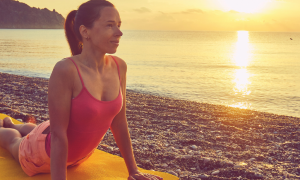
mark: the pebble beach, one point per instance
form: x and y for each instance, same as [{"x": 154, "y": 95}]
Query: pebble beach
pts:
[{"x": 188, "y": 139}]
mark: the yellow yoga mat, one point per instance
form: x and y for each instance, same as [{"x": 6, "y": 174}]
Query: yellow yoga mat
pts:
[{"x": 100, "y": 165}]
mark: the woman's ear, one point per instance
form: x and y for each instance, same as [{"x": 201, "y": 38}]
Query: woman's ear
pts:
[{"x": 84, "y": 32}]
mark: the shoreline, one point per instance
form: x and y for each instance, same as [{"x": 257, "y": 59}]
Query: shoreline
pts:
[
  {"x": 188, "y": 139},
  {"x": 161, "y": 96}
]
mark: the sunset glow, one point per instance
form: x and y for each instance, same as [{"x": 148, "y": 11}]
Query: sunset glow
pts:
[
  {"x": 196, "y": 15},
  {"x": 246, "y": 6}
]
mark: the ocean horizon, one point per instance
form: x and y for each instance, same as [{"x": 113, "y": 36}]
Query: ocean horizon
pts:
[{"x": 249, "y": 70}]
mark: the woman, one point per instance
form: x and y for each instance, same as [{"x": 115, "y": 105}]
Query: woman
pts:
[{"x": 86, "y": 96}]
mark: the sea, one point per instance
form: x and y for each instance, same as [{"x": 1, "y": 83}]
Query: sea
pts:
[{"x": 250, "y": 70}]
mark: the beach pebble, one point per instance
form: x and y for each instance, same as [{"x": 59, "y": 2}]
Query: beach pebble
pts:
[
  {"x": 173, "y": 173},
  {"x": 164, "y": 165},
  {"x": 240, "y": 165},
  {"x": 203, "y": 176},
  {"x": 251, "y": 159},
  {"x": 178, "y": 170},
  {"x": 191, "y": 152},
  {"x": 187, "y": 156},
  {"x": 258, "y": 175},
  {"x": 215, "y": 172},
  {"x": 229, "y": 163},
  {"x": 194, "y": 176},
  {"x": 206, "y": 159},
  {"x": 194, "y": 147},
  {"x": 183, "y": 150}
]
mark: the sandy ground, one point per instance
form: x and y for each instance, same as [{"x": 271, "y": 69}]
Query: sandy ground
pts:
[{"x": 188, "y": 139}]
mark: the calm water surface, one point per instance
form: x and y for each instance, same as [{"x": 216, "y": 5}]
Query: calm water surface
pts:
[{"x": 253, "y": 70}]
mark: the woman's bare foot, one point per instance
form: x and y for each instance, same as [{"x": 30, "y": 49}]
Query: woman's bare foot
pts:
[{"x": 7, "y": 122}]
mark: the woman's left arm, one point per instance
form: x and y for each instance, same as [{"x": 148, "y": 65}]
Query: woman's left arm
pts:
[{"x": 119, "y": 128}]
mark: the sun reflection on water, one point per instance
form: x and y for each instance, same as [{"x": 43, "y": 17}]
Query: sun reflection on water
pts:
[
  {"x": 242, "y": 81},
  {"x": 242, "y": 54},
  {"x": 241, "y": 58}
]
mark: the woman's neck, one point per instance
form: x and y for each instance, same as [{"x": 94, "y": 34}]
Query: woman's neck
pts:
[{"x": 93, "y": 59}]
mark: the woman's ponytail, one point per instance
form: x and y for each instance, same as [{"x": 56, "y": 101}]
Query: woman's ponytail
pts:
[{"x": 74, "y": 43}]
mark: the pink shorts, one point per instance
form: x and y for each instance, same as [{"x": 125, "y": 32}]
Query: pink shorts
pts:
[{"x": 32, "y": 152}]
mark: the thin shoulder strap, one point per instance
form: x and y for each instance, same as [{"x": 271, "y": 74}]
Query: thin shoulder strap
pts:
[
  {"x": 118, "y": 68},
  {"x": 77, "y": 71}
]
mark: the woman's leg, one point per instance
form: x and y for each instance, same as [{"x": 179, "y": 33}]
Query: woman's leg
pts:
[
  {"x": 10, "y": 140},
  {"x": 24, "y": 129}
]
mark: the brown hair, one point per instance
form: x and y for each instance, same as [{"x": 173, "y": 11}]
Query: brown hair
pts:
[{"x": 86, "y": 14}]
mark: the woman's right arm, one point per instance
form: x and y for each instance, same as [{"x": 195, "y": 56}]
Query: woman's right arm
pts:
[{"x": 59, "y": 103}]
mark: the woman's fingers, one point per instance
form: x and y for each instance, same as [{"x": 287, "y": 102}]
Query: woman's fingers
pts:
[
  {"x": 131, "y": 178},
  {"x": 152, "y": 177},
  {"x": 144, "y": 176}
]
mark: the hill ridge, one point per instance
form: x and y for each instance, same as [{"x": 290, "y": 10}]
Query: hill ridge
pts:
[{"x": 18, "y": 15}]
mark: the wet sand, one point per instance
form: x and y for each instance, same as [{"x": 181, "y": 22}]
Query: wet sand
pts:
[{"x": 188, "y": 139}]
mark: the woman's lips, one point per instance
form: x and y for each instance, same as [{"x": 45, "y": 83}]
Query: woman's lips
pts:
[{"x": 115, "y": 42}]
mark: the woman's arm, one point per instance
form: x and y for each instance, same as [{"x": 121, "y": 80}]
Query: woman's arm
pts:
[
  {"x": 59, "y": 103},
  {"x": 119, "y": 128},
  {"x": 119, "y": 125}
]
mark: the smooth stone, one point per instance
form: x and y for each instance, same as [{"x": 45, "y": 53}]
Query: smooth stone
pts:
[
  {"x": 173, "y": 173},
  {"x": 194, "y": 147},
  {"x": 229, "y": 163},
  {"x": 258, "y": 175},
  {"x": 252, "y": 159},
  {"x": 203, "y": 176},
  {"x": 215, "y": 172},
  {"x": 164, "y": 165},
  {"x": 206, "y": 160},
  {"x": 182, "y": 150},
  {"x": 194, "y": 176},
  {"x": 178, "y": 170},
  {"x": 187, "y": 156}
]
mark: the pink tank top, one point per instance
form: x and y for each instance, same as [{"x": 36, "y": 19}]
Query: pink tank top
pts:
[{"x": 90, "y": 118}]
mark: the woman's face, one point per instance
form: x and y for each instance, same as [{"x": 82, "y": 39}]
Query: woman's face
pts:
[{"x": 105, "y": 34}]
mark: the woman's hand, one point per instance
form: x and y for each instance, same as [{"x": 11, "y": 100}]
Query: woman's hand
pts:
[{"x": 143, "y": 176}]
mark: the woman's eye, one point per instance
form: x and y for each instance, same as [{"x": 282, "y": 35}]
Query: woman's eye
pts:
[{"x": 110, "y": 25}]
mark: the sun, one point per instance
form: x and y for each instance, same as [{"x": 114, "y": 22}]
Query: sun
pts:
[{"x": 245, "y": 6}]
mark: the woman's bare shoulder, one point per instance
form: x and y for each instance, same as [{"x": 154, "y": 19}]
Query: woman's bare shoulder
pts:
[
  {"x": 64, "y": 68},
  {"x": 122, "y": 64}
]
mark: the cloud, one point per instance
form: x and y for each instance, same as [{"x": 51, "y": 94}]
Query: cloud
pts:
[
  {"x": 233, "y": 11},
  {"x": 189, "y": 11},
  {"x": 142, "y": 10}
]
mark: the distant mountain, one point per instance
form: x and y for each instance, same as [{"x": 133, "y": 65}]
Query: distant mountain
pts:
[{"x": 17, "y": 15}]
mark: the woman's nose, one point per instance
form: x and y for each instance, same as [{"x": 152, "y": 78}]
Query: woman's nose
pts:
[{"x": 119, "y": 32}]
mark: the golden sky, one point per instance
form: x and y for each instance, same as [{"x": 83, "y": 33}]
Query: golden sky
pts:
[{"x": 196, "y": 15}]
